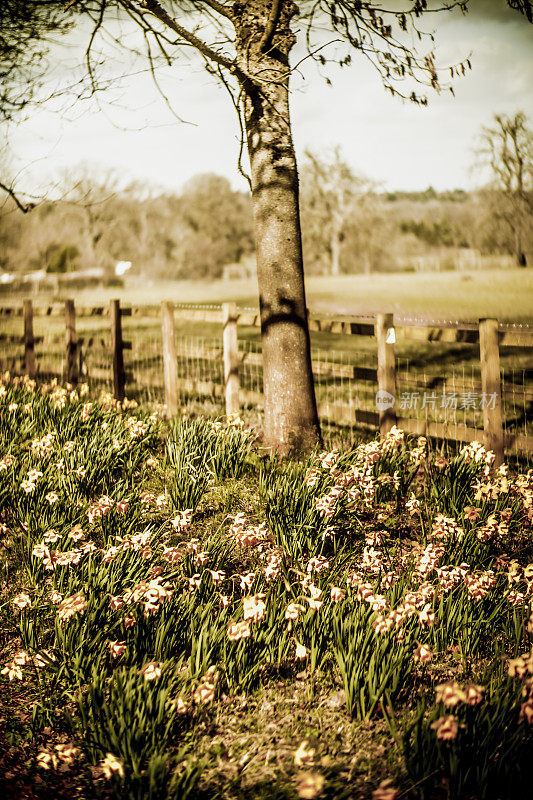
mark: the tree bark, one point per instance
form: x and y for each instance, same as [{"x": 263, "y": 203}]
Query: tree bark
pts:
[
  {"x": 520, "y": 256},
  {"x": 335, "y": 244},
  {"x": 291, "y": 420}
]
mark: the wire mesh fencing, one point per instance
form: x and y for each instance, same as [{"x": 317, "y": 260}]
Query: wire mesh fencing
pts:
[{"x": 439, "y": 387}]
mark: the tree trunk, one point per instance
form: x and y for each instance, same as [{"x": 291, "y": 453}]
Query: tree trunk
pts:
[
  {"x": 520, "y": 256},
  {"x": 291, "y": 419},
  {"x": 335, "y": 244}
]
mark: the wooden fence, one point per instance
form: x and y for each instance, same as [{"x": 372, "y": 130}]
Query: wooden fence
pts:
[{"x": 490, "y": 336}]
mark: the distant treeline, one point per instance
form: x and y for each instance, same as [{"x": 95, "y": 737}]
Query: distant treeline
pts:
[{"x": 349, "y": 225}]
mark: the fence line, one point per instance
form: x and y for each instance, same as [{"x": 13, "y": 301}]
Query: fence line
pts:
[{"x": 230, "y": 367}]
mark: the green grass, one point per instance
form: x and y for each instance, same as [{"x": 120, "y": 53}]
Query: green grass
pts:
[{"x": 505, "y": 294}]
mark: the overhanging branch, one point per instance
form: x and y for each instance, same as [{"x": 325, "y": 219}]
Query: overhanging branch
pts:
[
  {"x": 23, "y": 207},
  {"x": 153, "y": 7}
]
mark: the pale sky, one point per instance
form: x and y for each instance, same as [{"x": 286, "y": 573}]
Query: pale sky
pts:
[{"x": 398, "y": 144}]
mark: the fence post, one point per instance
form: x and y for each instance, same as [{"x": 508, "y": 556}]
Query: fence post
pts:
[
  {"x": 119, "y": 378},
  {"x": 489, "y": 352},
  {"x": 29, "y": 343},
  {"x": 72, "y": 342},
  {"x": 231, "y": 357},
  {"x": 386, "y": 396},
  {"x": 170, "y": 358}
]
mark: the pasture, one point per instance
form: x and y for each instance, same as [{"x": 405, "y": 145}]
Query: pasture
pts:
[
  {"x": 184, "y": 616},
  {"x": 505, "y": 294}
]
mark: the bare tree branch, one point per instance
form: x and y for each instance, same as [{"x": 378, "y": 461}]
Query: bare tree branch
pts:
[
  {"x": 377, "y": 32},
  {"x": 524, "y": 6},
  {"x": 94, "y": 32},
  {"x": 24, "y": 207},
  {"x": 236, "y": 100},
  {"x": 153, "y": 7},
  {"x": 219, "y": 8}
]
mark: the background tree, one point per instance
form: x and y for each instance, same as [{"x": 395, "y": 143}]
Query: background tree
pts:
[
  {"x": 507, "y": 148},
  {"x": 91, "y": 197},
  {"x": 218, "y": 226},
  {"x": 369, "y": 235},
  {"x": 331, "y": 192}
]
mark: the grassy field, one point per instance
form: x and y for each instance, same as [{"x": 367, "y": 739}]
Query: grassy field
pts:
[
  {"x": 183, "y": 617},
  {"x": 504, "y": 294}
]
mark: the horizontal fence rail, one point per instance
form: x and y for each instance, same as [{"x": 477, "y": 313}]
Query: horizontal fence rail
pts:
[{"x": 88, "y": 343}]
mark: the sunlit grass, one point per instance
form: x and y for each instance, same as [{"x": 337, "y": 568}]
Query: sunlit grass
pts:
[{"x": 504, "y": 294}]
